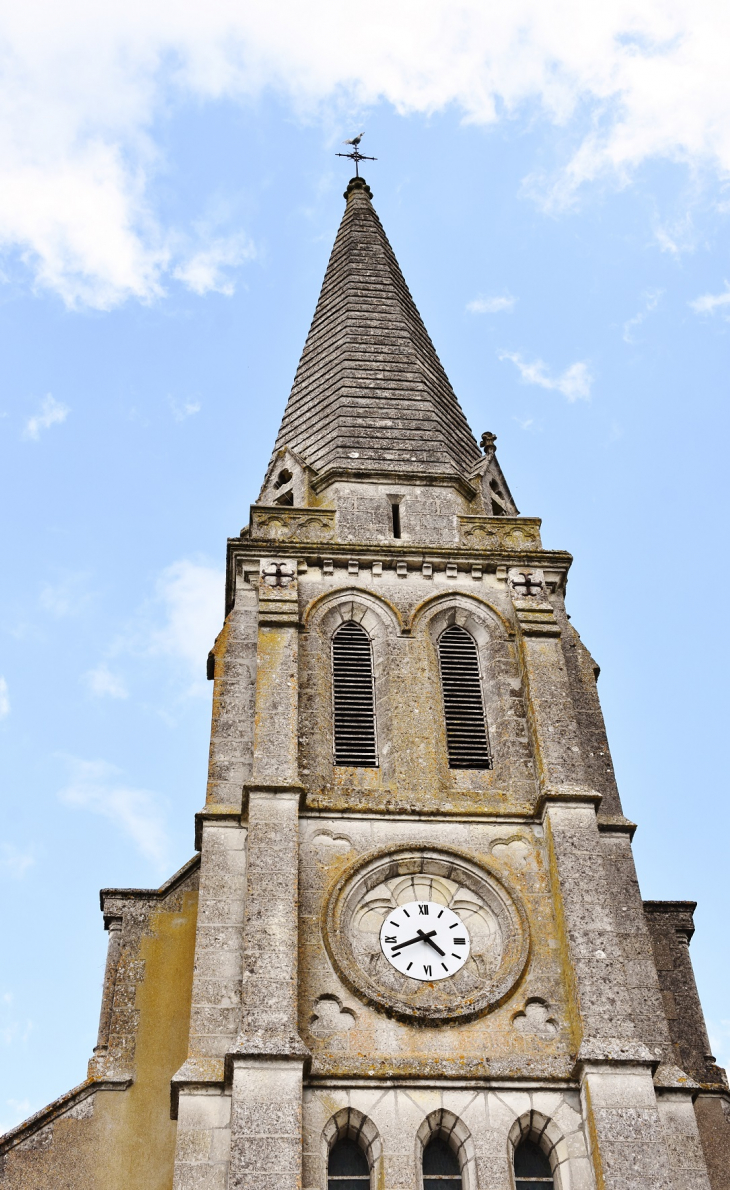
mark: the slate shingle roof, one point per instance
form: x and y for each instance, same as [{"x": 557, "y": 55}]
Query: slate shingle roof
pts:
[{"x": 369, "y": 380}]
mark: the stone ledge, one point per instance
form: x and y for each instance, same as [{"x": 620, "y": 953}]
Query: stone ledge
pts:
[
  {"x": 198, "y": 1073},
  {"x": 422, "y": 479},
  {"x": 567, "y": 795},
  {"x": 618, "y": 1051},
  {"x": 616, "y": 824},
  {"x": 221, "y": 814},
  {"x": 536, "y": 619},
  {"x": 668, "y": 1077},
  {"x": 263, "y": 1050}
]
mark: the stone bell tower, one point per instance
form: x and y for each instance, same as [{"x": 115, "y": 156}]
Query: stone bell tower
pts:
[{"x": 411, "y": 953}]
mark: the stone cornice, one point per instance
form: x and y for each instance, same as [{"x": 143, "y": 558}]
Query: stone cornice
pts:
[
  {"x": 567, "y": 795},
  {"x": 422, "y": 479},
  {"x": 616, "y": 824},
  {"x": 245, "y": 551},
  {"x": 222, "y": 815}
]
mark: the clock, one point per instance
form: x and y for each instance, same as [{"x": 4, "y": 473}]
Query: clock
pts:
[
  {"x": 426, "y": 934},
  {"x": 425, "y": 940}
]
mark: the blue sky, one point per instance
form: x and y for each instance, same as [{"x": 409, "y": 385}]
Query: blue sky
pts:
[{"x": 554, "y": 183}]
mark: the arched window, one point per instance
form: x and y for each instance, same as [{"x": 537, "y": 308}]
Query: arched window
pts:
[
  {"x": 353, "y": 697},
  {"x": 466, "y": 725},
  {"x": 440, "y": 1166},
  {"x": 347, "y": 1167},
  {"x": 532, "y": 1168}
]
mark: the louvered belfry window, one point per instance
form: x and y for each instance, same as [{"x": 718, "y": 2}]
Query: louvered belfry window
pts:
[
  {"x": 353, "y": 697},
  {"x": 466, "y": 726}
]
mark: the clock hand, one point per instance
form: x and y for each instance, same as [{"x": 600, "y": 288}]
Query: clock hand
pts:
[
  {"x": 429, "y": 938},
  {"x": 420, "y": 937}
]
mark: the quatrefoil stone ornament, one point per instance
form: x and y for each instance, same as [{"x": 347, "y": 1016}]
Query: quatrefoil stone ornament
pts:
[{"x": 278, "y": 574}]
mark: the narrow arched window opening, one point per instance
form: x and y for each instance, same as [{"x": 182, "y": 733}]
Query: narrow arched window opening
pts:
[
  {"x": 395, "y": 511},
  {"x": 283, "y": 477},
  {"x": 467, "y": 740},
  {"x": 440, "y": 1166},
  {"x": 532, "y": 1168},
  {"x": 347, "y": 1167},
  {"x": 355, "y": 737}
]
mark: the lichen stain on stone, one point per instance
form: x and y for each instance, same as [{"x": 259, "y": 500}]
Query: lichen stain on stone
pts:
[
  {"x": 220, "y": 650},
  {"x": 566, "y": 966},
  {"x": 103, "y": 1151},
  {"x": 163, "y": 1000}
]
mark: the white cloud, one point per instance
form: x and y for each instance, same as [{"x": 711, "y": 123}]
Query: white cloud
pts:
[
  {"x": 203, "y": 272},
  {"x": 138, "y": 813},
  {"x": 677, "y": 236},
  {"x": 4, "y": 698},
  {"x": 52, "y": 414},
  {"x": 176, "y": 625},
  {"x": 83, "y": 84},
  {"x": 651, "y": 301},
  {"x": 181, "y": 410},
  {"x": 191, "y": 597},
  {"x": 12, "y": 1030},
  {"x": 708, "y": 303},
  {"x": 15, "y": 862},
  {"x": 69, "y": 596},
  {"x": 574, "y": 383},
  {"x": 101, "y": 681},
  {"x": 491, "y": 305}
]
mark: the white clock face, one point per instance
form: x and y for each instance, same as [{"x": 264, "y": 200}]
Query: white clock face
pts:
[{"x": 425, "y": 941}]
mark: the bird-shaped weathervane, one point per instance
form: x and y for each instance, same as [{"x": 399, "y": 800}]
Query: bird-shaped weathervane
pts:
[{"x": 356, "y": 155}]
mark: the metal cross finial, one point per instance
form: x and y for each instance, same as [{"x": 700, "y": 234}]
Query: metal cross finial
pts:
[
  {"x": 355, "y": 155},
  {"x": 528, "y": 583}
]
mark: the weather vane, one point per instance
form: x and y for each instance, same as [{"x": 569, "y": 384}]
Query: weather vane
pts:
[{"x": 355, "y": 156}]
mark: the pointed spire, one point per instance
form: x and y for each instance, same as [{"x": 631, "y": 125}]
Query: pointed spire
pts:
[{"x": 370, "y": 393}]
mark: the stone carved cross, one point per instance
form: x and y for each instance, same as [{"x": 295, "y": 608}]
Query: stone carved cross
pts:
[
  {"x": 278, "y": 574},
  {"x": 528, "y": 582}
]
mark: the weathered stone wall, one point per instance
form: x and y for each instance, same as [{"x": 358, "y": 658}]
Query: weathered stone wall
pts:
[
  {"x": 348, "y": 1037},
  {"x": 404, "y": 617},
  {"x": 625, "y": 905},
  {"x": 115, "y": 1132},
  {"x": 232, "y": 723},
  {"x": 567, "y": 1048},
  {"x": 428, "y": 513},
  {"x": 671, "y": 927},
  {"x": 483, "y": 1125},
  {"x": 582, "y": 675},
  {"x": 713, "y": 1121}
]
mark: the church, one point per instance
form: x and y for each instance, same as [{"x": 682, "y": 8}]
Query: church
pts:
[{"x": 410, "y": 951}]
